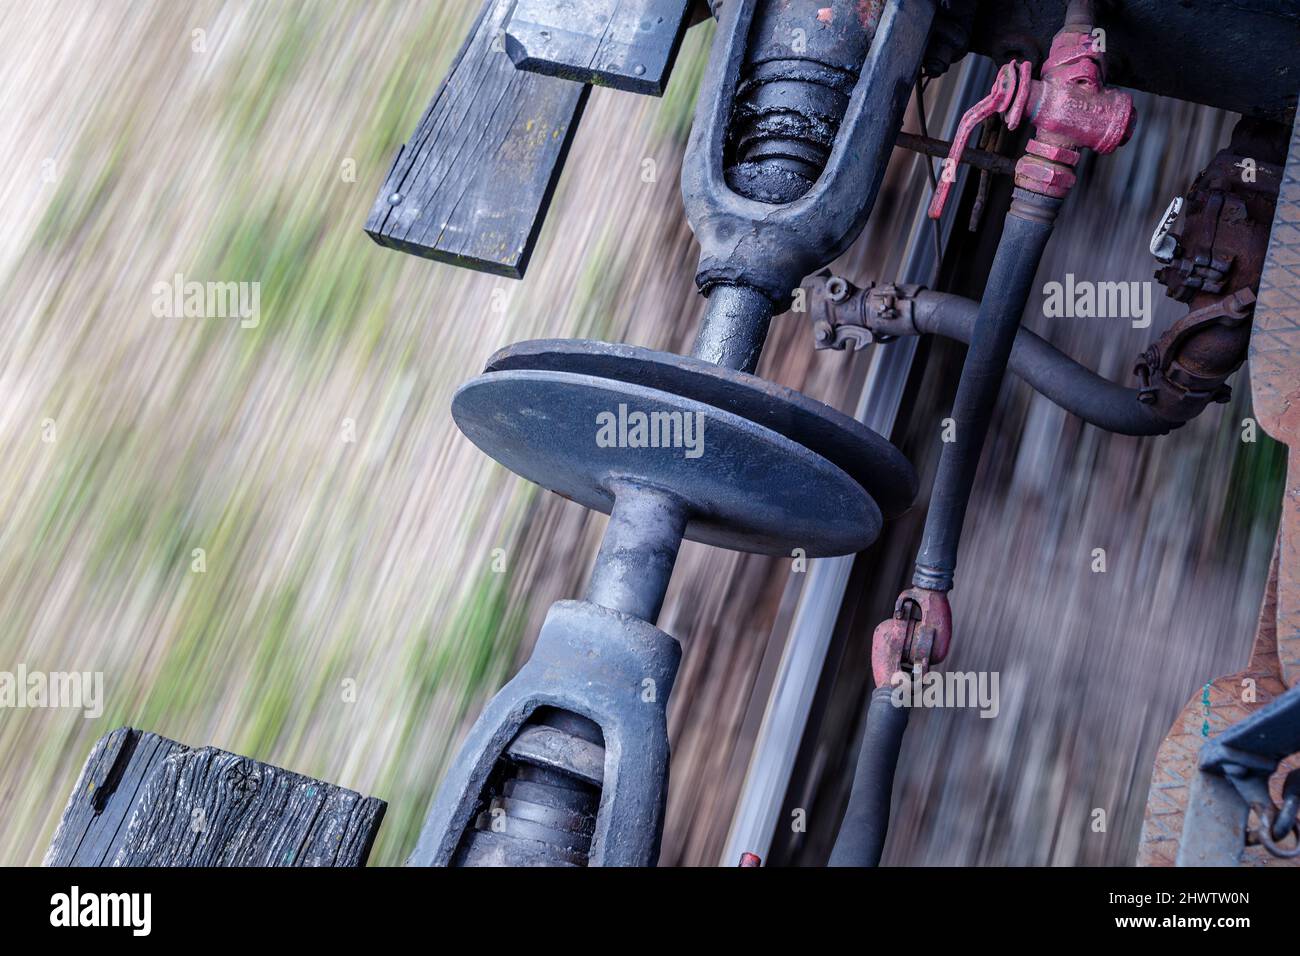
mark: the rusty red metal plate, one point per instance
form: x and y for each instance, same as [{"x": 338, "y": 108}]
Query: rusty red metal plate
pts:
[
  {"x": 1220, "y": 704},
  {"x": 1275, "y": 385}
]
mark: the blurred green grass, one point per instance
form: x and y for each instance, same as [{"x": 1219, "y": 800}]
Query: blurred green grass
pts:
[{"x": 327, "y": 561}]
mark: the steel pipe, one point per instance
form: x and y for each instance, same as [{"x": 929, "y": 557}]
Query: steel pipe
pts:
[
  {"x": 734, "y": 327},
  {"x": 637, "y": 554}
]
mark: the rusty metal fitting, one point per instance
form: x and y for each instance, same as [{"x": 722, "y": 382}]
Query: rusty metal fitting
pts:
[
  {"x": 916, "y": 637},
  {"x": 1070, "y": 108},
  {"x": 847, "y": 317},
  {"x": 1211, "y": 244}
]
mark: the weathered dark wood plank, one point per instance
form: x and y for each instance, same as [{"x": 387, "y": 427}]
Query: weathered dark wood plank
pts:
[
  {"x": 111, "y": 752},
  {"x": 472, "y": 185},
  {"x": 625, "y": 44},
  {"x": 138, "y": 758},
  {"x": 144, "y": 800}
]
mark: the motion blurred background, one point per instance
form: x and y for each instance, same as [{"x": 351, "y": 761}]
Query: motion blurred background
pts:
[{"x": 245, "y": 141}]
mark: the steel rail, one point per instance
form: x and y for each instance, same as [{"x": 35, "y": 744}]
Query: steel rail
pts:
[{"x": 804, "y": 656}]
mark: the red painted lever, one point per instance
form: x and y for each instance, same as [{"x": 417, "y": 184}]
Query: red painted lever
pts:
[{"x": 998, "y": 100}]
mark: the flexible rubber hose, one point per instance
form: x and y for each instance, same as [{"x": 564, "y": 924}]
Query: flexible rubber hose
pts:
[
  {"x": 1047, "y": 369},
  {"x": 866, "y": 821},
  {"x": 1025, "y": 233}
]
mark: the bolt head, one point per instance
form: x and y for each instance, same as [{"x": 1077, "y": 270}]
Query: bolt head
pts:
[
  {"x": 1053, "y": 151},
  {"x": 1044, "y": 177}
]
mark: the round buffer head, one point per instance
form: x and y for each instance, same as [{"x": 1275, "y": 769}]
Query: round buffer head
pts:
[
  {"x": 746, "y": 486},
  {"x": 845, "y": 442}
]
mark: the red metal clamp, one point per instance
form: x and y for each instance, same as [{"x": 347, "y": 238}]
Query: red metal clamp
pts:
[
  {"x": 1071, "y": 110},
  {"x": 918, "y": 635}
]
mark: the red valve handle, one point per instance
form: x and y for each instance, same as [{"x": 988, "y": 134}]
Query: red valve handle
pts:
[
  {"x": 1000, "y": 99},
  {"x": 1071, "y": 110}
]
